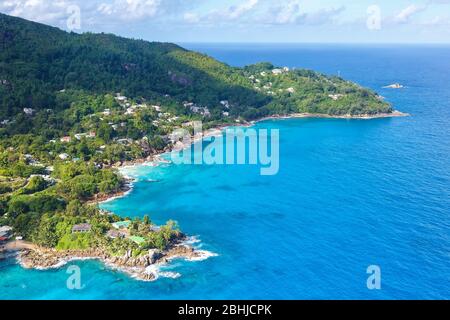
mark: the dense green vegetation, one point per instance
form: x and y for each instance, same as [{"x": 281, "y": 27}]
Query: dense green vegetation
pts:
[{"x": 73, "y": 105}]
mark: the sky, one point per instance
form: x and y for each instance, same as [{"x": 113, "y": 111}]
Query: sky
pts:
[{"x": 266, "y": 21}]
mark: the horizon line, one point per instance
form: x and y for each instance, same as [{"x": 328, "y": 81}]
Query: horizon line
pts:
[{"x": 307, "y": 42}]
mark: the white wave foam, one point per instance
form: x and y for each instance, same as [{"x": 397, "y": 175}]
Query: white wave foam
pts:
[
  {"x": 191, "y": 240},
  {"x": 156, "y": 271},
  {"x": 126, "y": 193},
  {"x": 203, "y": 255}
]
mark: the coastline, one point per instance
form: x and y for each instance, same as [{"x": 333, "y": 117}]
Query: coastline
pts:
[
  {"x": 155, "y": 159},
  {"x": 144, "y": 268},
  {"x": 393, "y": 114}
]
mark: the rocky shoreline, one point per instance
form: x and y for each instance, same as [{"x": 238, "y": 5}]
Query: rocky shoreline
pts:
[
  {"x": 393, "y": 114},
  {"x": 136, "y": 267}
]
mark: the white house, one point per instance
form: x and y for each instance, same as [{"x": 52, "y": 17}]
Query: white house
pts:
[
  {"x": 335, "y": 96},
  {"x": 28, "y": 111},
  {"x": 63, "y": 156},
  {"x": 277, "y": 71},
  {"x": 225, "y": 103},
  {"x": 130, "y": 111}
]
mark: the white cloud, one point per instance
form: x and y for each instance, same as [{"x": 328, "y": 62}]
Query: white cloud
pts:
[
  {"x": 191, "y": 17},
  {"x": 231, "y": 13},
  {"x": 320, "y": 17},
  {"x": 407, "y": 13},
  {"x": 287, "y": 13},
  {"x": 130, "y": 9},
  {"x": 37, "y": 10},
  {"x": 437, "y": 21},
  {"x": 235, "y": 12},
  {"x": 291, "y": 12}
]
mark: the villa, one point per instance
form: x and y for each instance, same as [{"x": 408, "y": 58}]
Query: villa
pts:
[
  {"x": 114, "y": 234},
  {"x": 130, "y": 110},
  {"x": 290, "y": 90},
  {"x": 121, "y": 224},
  {"x": 63, "y": 156},
  {"x": 225, "y": 103},
  {"x": 277, "y": 71},
  {"x": 81, "y": 228},
  {"x": 155, "y": 228},
  {"x": 91, "y": 134},
  {"x": 28, "y": 111}
]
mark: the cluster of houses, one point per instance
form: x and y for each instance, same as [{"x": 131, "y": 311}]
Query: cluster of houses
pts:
[
  {"x": 31, "y": 160},
  {"x": 78, "y": 136},
  {"x": 119, "y": 230},
  {"x": 204, "y": 111},
  {"x": 267, "y": 87},
  {"x": 164, "y": 119},
  {"x": 335, "y": 96},
  {"x": 131, "y": 109}
]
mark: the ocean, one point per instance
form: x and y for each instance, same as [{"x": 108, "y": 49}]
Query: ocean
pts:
[{"x": 349, "y": 194}]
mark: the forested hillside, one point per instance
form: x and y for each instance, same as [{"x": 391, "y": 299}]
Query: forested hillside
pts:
[{"x": 38, "y": 61}]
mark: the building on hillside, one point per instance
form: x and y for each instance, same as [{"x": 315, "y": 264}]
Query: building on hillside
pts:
[
  {"x": 122, "y": 224},
  {"x": 28, "y": 111},
  {"x": 155, "y": 228},
  {"x": 81, "y": 228},
  {"x": 114, "y": 234},
  {"x": 277, "y": 71},
  {"x": 63, "y": 156}
]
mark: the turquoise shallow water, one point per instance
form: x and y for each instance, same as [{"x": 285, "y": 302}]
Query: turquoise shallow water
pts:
[{"x": 349, "y": 194}]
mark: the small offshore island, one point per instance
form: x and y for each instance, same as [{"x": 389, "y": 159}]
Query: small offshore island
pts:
[{"x": 75, "y": 107}]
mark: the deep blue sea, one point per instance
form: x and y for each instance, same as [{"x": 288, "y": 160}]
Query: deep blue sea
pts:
[{"x": 349, "y": 194}]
